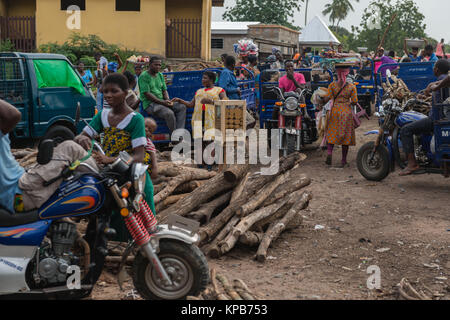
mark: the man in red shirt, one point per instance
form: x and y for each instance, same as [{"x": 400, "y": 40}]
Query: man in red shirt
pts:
[{"x": 292, "y": 81}]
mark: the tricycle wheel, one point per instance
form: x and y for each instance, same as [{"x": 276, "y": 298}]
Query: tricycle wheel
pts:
[
  {"x": 374, "y": 168},
  {"x": 186, "y": 266},
  {"x": 59, "y": 134}
]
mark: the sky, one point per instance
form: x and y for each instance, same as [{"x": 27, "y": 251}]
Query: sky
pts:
[{"x": 435, "y": 12}]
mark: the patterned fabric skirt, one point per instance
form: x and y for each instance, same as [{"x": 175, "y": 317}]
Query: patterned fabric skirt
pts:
[{"x": 340, "y": 130}]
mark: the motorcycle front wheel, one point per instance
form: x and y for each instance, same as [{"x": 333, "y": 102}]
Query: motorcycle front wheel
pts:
[
  {"x": 186, "y": 266},
  {"x": 374, "y": 168}
]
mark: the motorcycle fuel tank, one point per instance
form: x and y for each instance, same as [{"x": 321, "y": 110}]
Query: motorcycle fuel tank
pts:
[
  {"x": 76, "y": 197},
  {"x": 408, "y": 117}
]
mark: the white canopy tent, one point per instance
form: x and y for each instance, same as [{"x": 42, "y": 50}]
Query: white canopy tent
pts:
[{"x": 317, "y": 34}]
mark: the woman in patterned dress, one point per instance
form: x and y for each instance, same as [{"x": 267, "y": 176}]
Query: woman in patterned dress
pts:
[
  {"x": 123, "y": 130},
  {"x": 340, "y": 129}
]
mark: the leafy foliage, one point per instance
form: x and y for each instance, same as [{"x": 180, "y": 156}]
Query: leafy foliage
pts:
[
  {"x": 80, "y": 47},
  {"x": 265, "y": 11},
  {"x": 409, "y": 23},
  {"x": 7, "y": 46}
]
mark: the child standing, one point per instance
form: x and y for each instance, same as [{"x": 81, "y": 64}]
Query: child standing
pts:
[{"x": 150, "y": 127}]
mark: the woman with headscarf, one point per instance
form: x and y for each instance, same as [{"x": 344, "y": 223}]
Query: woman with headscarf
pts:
[{"x": 340, "y": 128}]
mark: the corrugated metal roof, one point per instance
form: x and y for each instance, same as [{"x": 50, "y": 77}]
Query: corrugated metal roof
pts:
[{"x": 228, "y": 27}]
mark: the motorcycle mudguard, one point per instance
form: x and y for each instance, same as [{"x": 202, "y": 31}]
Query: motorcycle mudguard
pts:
[
  {"x": 371, "y": 132},
  {"x": 26, "y": 235},
  {"x": 82, "y": 196},
  {"x": 13, "y": 265},
  {"x": 408, "y": 117}
]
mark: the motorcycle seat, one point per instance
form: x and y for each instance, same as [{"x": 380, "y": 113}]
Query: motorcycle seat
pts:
[{"x": 17, "y": 219}]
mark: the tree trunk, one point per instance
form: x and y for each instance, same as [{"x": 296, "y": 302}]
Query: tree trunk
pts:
[
  {"x": 289, "y": 187},
  {"x": 228, "y": 288},
  {"x": 251, "y": 239},
  {"x": 212, "y": 250},
  {"x": 276, "y": 228},
  {"x": 235, "y": 173},
  {"x": 190, "y": 186}
]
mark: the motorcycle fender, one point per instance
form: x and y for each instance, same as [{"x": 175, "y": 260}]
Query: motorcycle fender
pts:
[
  {"x": 13, "y": 265},
  {"x": 176, "y": 234}
]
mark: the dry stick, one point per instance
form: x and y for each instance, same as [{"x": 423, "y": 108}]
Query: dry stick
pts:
[
  {"x": 386, "y": 31},
  {"x": 207, "y": 209},
  {"x": 251, "y": 239},
  {"x": 250, "y": 188},
  {"x": 241, "y": 285},
  {"x": 260, "y": 196},
  {"x": 276, "y": 228},
  {"x": 218, "y": 292},
  {"x": 228, "y": 288}
]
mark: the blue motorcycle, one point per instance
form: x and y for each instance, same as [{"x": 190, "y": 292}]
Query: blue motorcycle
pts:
[
  {"x": 43, "y": 254},
  {"x": 377, "y": 159}
]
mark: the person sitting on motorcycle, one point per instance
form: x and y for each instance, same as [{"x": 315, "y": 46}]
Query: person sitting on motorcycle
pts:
[
  {"x": 24, "y": 191},
  {"x": 292, "y": 81},
  {"x": 441, "y": 68},
  {"x": 123, "y": 129}
]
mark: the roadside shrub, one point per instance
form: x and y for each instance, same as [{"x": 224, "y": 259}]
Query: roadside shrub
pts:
[{"x": 7, "y": 46}]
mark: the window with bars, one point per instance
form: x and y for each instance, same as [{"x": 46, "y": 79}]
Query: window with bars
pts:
[
  {"x": 128, "y": 5},
  {"x": 216, "y": 43},
  {"x": 65, "y": 4}
]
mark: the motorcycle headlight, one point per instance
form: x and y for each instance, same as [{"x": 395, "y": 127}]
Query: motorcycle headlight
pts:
[{"x": 291, "y": 103}]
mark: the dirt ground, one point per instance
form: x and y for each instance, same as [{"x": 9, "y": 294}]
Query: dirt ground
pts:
[{"x": 400, "y": 225}]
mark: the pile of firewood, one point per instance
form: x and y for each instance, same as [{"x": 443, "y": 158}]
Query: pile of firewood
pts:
[
  {"x": 236, "y": 205},
  {"x": 195, "y": 65},
  {"x": 226, "y": 290},
  {"x": 25, "y": 157}
]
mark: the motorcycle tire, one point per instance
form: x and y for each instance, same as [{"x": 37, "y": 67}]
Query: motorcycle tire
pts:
[
  {"x": 190, "y": 272},
  {"x": 59, "y": 134},
  {"x": 396, "y": 149},
  {"x": 371, "y": 172},
  {"x": 291, "y": 141}
]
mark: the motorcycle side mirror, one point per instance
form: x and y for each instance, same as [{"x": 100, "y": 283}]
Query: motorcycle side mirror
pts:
[{"x": 45, "y": 151}]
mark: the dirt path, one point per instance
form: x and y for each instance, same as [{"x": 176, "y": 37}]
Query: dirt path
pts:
[{"x": 407, "y": 218}]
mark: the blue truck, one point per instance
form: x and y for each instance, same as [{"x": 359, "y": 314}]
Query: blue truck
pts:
[{"x": 46, "y": 89}]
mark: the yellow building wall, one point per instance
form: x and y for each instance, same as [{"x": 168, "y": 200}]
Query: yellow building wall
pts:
[
  {"x": 20, "y": 8},
  {"x": 142, "y": 31},
  {"x": 3, "y": 8},
  {"x": 186, "y": 9}
]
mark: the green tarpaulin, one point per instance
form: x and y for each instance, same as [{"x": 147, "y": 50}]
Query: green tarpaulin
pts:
[{"x": 57, "y": 74}]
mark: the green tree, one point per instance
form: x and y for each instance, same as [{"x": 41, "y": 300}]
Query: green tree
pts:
[
  {"x": 409, "y": 23},
  {"x": 338, "y": 10},
  {"x": 265, "y": 11}
]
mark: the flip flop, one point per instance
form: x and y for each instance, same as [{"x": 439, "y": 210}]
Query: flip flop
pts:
[{"x": 408, "y": 172}]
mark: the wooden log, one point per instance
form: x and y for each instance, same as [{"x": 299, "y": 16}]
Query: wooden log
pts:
[
  {"x": 28, "y": 157},
  {"x": 238, "y": 284},
  {"x": 21, "y": 153},
  {"x": 206, "y": 210},
  {"x": 190, "y": 186},
  {"x": 236, "y": 172},
  {"x": 228, "y": 288},
  {"x": 220, "y": 295},
  {"x": 276, "y": 228},
  {"x": 170, "y": 169},
  {"x": 214, "y": 186},
  {"x": 251, "y": 238},
  {"x": 169, "y": 201},
  {"x": 246, "y": 223},
  {"x": 262, "y": 195},
  {"x": 179, "y": 180},
  {"x": 253, "y": 184},
  {"x": 240, "y": 188},
  {"x": 158, "y": 188},
  {"x": 192, "y": 298},
  {"x": 291, "y": 186},
  {"x": 212, "y": 250}
]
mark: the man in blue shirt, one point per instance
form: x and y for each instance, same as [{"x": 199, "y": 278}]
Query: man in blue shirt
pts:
[
  {"x": 228, "y": 81},
  {"x": 426, "y": 125},
  {"x": 429, "y": 55},
  {"x": 10, "y": 170}
]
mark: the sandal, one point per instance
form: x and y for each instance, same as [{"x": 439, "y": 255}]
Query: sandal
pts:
[{"x": 408, "y": 171}]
